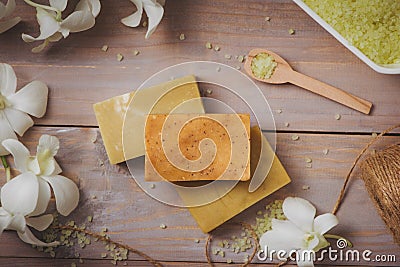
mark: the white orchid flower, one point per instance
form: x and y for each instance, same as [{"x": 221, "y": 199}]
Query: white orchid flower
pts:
[
  {"x": 301, "y": 232},
  {"x": 154, "y": 10},
  {"x": 46, "y": 170},
  {"x": 15, "y": 106},
  {"x": 19, "y": 199},
  {"x": 7, "y": 23},
  {"x": 53, "y": 27}
]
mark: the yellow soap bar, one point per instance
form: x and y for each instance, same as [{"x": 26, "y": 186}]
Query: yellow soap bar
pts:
[
  {"x": 162, "y": 98},
  {"x": 212, "y": 215},
  {"x": 179, "y": 147}
]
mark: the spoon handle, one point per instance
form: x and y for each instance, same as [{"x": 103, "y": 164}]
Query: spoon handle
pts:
[{"x": 330, "y": 92}]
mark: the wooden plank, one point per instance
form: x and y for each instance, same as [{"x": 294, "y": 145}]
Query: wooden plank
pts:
[
  {"x": 79, "y": 73},
  {"x": 35, "y": 262},
  {"x": 134, "y": 218}
]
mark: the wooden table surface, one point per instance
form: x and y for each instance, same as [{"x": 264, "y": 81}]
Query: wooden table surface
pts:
[{"x": 79, "y": 74}]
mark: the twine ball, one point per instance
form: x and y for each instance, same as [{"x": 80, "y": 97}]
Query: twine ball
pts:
[{"x": 381, "y": 175}]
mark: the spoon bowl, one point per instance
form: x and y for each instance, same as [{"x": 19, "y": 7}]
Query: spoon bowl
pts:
[{"x": 279, "y": 75}]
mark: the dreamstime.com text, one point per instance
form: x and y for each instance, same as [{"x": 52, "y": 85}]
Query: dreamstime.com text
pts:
[{"x": 340, "y": 254}]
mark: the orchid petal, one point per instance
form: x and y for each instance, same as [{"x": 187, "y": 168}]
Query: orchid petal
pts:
[
  {"x": 2, "y": 10},
  {"x": 48, "y": 26},
  {"x": 18, "y": 223},
  {"x": 19, "y": 121},
  {"x": 283, "y": 236},
  {"x": 6, "y": 132},
  {"x": 48, "y": 144},
  {"x": 304, "y": 258},
  {"x": 43, "y": 199},
  {"x": 19, "y": 152},
  {"x": 8, "y": 24},
  {"x": 79, "y": 20},
  {"x": 299, "y": 211},
  {"x": 134, "y": 19},
  {"x": 20, "y": 194},
  {"x": 33, "y": 165},
  {"x": 66, "y": 193},
  {"x": 155, "y": 13},
  {"x": 10, "y": 7},
  {"x": 325, "y": 222},
  {"x": 59, "y": 4},
  {"x": 31, "y": 99},
  {"x": 94, "y": 6},
  {"x": 5, "y": 219},
  {"x": 8, "y": 80},
  {"x": 57, "y": 169},
  {"x": 40, "y": 223},
  {"x": 29, "y": 238}
]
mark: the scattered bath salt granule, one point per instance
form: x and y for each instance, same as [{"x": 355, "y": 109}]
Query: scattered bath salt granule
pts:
[
  {"x": 306, "y": 187},
  {"x": 267, "y": 19},
  {"x": 238, "y": 67},
  {"x": 208, "y": 45},
  {"x": 218, "y": 69},
  {"x": 163, "y": 226},
  {"x": 291, "y": 31},
  {"x": 182, "y": 37},
  {"x": 309, "y": 165},
  {"x": 227, "y": 56},
  {"x": 295, "y": 137},
  {"x": 209, "y": 91},
  {"x": 325, "y": 151},
  {"x": 120, "y": 57},
  {"x": 374, "y": 135},
  {"x": 152, "y": 186},
  {"x": 372, "y": 26},
  {"x": 240, "y": 58},
  {"x": 308, "y": 160},
  {"x": 196, "y": 241},
  {"x": 279, "y": 111},
  {"x": 136, "y": 52},
  {"x": 144, "y": 23},
  {"x": 229, "y": 261},
  {"x": 104, "y": 48},
  {"x": 287, "y": 124},
  {"x": 263, "y": 66},
  {"x": 217, "y": 48},
  {"x": 338, "y": 117}
]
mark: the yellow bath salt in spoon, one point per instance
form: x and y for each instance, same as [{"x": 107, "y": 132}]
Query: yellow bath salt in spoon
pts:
[{"x": 268, "y": 67}]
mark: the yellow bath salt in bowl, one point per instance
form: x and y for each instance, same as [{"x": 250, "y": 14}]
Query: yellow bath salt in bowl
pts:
[{"x": 370, "y": 26}]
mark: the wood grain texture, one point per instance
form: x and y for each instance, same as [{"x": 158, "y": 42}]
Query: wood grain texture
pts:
[
  {"x": 134, "y": 218},
  {"x": 80, "y": 74}
]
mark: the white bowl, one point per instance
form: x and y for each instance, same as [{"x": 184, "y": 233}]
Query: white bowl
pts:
[{"x": 386, "y": 69}]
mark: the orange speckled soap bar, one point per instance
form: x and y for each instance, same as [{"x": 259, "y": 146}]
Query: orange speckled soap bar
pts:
[{"x": 195, "y": 147}]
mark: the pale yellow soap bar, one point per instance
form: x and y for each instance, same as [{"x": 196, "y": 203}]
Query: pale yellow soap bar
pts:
[
  {"x": 162, "y": 98},
  {"x": 212, "y": 215},
  {"x": 177, "y": 148}
]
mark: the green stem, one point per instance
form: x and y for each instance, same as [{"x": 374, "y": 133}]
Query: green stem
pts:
[
  {"x": 33, "y": 4},
  {"x": 6, "y": 167},
  {"x": 337, "y": 237}
]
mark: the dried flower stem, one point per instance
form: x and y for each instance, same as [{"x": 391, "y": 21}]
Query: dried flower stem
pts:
[
  {"x": 103, "y": 238},
  {"x": 6, "y": 167}
]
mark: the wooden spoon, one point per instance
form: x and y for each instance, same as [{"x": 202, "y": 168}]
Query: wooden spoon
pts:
[{"x": 284, "y": 73}]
